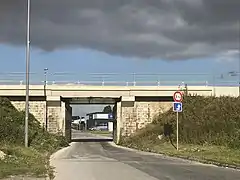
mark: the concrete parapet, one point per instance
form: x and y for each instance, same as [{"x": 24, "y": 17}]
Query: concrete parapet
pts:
[
  {"x": 226, "y": 91},
  {"x": 68, "y": 91}
]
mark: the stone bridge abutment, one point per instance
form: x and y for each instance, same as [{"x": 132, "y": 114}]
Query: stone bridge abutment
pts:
[
  {"x": 136, "y": 112},
  {"x": 51, "y": 112}
]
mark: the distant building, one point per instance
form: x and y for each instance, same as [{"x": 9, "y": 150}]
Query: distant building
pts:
[{"x": 100, "y": 119}]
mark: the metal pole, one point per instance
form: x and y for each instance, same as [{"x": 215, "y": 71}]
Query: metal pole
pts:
[
  {"x": 103, "y": 81},
  {"x": 177, "y": 130},
  {"x": 27, "y": 73},
  {"x": 239, "y": 57},
  {"x": 45, "y": 95},
  {"x": 134, "y": 79}
]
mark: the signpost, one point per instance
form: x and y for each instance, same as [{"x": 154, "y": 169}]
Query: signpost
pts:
[
  {"x": 177, "y": 96},
  {"x": 177, "y": 106}
]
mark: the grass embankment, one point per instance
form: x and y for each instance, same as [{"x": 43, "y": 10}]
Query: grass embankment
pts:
[
  {"x": 209, "y": 131},
  {"x": 32, "y": 161}
]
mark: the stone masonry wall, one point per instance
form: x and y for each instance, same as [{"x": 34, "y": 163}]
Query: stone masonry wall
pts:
[
  {"x": 55, "y": 114},
  {"x": 55, "y": 119},
  {"x": 37, "y": 108},
  {"x": 143, "y": 113}
]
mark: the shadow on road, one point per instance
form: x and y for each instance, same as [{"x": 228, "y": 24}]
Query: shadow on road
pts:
[
  {"x": 83, "y": 136},
  {"x": 92, "y": 140}
]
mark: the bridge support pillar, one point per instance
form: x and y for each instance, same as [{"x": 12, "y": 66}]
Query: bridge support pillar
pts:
[
  {"x": 67, "y": 120},
  {"x": 126, "y": 104},
  {"x": 59, "y": 116},
  {"x": 55, "y": 116}
]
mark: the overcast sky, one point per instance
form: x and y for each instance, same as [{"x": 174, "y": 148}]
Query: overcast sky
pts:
[{"x": 165, "y": 29}]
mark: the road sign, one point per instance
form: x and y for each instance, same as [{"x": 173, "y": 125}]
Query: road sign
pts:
[
  {"x": 178, "y": 96},
  {"x": 110, "y": 116},
  {"x": 177, "y": 107}
]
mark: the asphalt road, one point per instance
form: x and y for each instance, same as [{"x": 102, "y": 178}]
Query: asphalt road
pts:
[
  {"x": 104, "y": 161},
  {"x": 81, "y": 136}
]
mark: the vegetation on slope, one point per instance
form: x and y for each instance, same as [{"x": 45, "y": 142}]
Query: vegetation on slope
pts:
[
  {"x": 20, "y": 160},
  {"x": 209, "y": 130}
]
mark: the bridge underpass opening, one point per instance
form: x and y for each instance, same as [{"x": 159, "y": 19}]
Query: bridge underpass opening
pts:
[
  {"x": 93, "y": 119},
  {"x": 54, "y": 113}
]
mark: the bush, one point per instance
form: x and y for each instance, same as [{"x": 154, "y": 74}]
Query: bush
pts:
[
  {"x": 211, "y": 120},
  {"x": 20, "y": 160},
  {"x": 12, "y": 129}
]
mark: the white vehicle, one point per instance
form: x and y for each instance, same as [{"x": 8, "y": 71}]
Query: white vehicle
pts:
[{"x": 77, "y": 121}]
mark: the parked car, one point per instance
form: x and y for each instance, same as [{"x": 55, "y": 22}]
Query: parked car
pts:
[{"x": 99, "y": 128}]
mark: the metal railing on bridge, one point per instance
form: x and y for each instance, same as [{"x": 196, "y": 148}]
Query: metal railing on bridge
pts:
[{"x": 116, "y": 79}]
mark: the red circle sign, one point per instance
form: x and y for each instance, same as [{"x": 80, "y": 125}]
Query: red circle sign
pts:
[{"x": 178, "y": 96}]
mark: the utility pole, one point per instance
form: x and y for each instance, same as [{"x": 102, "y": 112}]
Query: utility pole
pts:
[
  {"x": 238, "y": 57},
  {"x": 45, "y": 95},
  {"x": 27, "y": 73}
]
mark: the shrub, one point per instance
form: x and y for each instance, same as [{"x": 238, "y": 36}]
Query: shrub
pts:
[
  {"x": 12, "y": 129},
  {"x": 212, "y": 120}
]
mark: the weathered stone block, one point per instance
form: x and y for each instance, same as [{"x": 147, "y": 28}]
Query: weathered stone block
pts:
[
  {"x": 37, "y": 108},
  {"x": 57, "y": 114}
]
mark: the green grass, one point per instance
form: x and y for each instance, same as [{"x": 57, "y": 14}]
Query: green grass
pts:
[
  {"x": 32, "y": 161},
  {"x": 24, "y": 161},
  {"x": 208, "y": 131},
  {"x": 218, "y": 155},
  {"x": 213, "y": 154}
]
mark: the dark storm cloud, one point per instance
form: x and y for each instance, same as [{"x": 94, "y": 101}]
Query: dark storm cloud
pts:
[{"x": 167, "y": 29}]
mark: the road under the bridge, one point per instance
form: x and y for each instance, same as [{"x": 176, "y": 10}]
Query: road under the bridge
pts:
[{"x": 104, "y": 161}]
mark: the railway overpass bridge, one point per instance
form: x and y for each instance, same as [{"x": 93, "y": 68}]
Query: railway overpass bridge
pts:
[{"x": 135, "y": 106}]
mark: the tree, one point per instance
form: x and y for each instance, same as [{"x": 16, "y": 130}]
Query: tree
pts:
[{"x": 107, "y": 109}]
